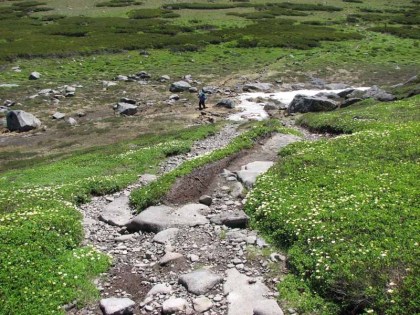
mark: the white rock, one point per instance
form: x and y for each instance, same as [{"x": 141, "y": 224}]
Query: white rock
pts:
[
  {"x": 202, "y": 304},
  {"x": 174, "y": 305},
  {"x": 117, "y": 306}
]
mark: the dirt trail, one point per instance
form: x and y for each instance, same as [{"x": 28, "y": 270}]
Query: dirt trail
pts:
[{"x": 226, "y": 249}]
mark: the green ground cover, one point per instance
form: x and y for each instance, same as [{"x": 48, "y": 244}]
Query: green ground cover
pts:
[
  {"x": 42, "y": 266},
  {"x": 347, "y": 211}
]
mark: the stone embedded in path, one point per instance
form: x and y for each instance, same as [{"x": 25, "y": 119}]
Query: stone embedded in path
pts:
[
  {"x": 117, "y": 213},
  {"x": 249, "y": 173},
  {"x": 19, "y": 120},
  {"x": 160, "y": 288},
  {"x": 169, "y": 257},
  {"x": 205, "y": 200},
  {"x": 174, "y": 305},
  {"x": 117, "y": 306},
  {"x": 147, "y": 178},
  {"x": 202, "y": 304},
  {"x": 237, "y": 219},
  {"x": 267, "y": 307},
  {"x": 200, "y": 282},
  {"x": 159, "y": 218},
  {"x": 166, "y": 236},
  {"x": 247, "y": 297}
]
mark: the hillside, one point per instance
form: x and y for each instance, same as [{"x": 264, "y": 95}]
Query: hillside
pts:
[{"x": 98, "y": 111}]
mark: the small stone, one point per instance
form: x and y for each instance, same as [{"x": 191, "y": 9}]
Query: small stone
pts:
[
  {"x": 206, "y": 200},
  {"x": 169, "y": 257},
  {"x": 202, "y": 304},
  {"x": 174, "y": 305},
  {"x": 194, "y": 258},
  {"x": 161, "y": 288},
  {"x": 117, "y": 306}
]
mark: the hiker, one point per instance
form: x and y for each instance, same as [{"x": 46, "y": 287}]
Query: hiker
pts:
[{"x": 202, "y": 99}]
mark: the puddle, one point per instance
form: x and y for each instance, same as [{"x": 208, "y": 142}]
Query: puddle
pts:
[{"x": 255, "y": 111}]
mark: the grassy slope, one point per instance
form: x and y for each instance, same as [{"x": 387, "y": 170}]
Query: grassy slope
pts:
[
  {"x": 42, "y": 266},
  {"x": 348, "y": 212}
]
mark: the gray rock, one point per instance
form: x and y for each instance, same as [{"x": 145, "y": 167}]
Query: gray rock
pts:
[
  {"x": 261, "y": 243},
  {"x": 179, "y": 86},
  {"x": 237, "y": 236},
  {"x": 58, "y": 115},
  {"x": 128, "y": 101},
  {"x": 117, "y": 306},
  {"x": 165, "y": 78},
  {"x": 146, "y": 179},
  {"x": 70, "y": 89},
  {"x": 166, "y": 236},
  {"x": 117, "y": 213},
  {"x": 379, "y": 94},
  {"x": 144, "y": 75},
  {"x": 121, "y": 78},
  {"x": 267, "y": 307},
  {"x": 34, "y": 76},
  {"x": 169, "y": 257},
  {"x": 71, "y": 121},
  {"x": 19, "y": 120},
  {"x": 193, "y": 258},
  {"x": 329, "y": 95},
  {"x": 210, "y": 89},
  {"x": 174, "y": 97},
  {"x": 174, "y": 305},
  {"x": 205, "y": 200},
  {"x": 277, "y": 257},
  {"x": 193, "y": 89},
  {"x": 202, "y": 304},
  {"x": 236, "y": 219},
  {"x": 257, "y": 87},
  {"x": 305, "y": 104},
  {"x": 249, "y": 173},
  {"x": 350, "y": 101},
  {"x": 336, "y": 86},
  {"x": 200, "y": 282},
  {"x": 8, "y": 85},
  {"x": 124, "y": 238},
  {"x": 226, "y": 103},
  {"x": 345, "y": 92},
  {"x": 159, "y": 218},
  {"x": 246, "y": 297},
  {"x": 107, "y": 84},
  {"x": 237, "y": 190},
  {"x": 126, "y": 109},
  {"x": 161, "y": 288}
]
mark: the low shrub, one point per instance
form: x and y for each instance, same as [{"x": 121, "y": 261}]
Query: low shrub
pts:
[{"x": 347, "y": 209}]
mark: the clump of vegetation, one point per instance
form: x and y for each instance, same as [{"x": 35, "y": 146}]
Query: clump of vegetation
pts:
[
  {"x": 42, "y": 265},
  {"x": 347, "y": 210},
  {"x": 118, "y": 3},
  {"x": 148, "y": 13},
  {"x": 400, "y": 31}
]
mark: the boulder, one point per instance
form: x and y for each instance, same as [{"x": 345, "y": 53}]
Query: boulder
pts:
[
  {"x": 305, "y": 104},
  {"x": 345, "y": 92},
  {"x": 350, "y": 101},
  {"x": 249, "y": 87},
  {"x": 237, "y": 219},
  {"x": 117, "y": 213},
  {"x": 34, "y": 76},
  {"x": 210, "y": 89},
  {"x": 179, "y": 86},
  {"x": 193, "y": 89},
  {"x": 58, "y": 115},
  {"x": 126, "y": 109},
  {"x": 117, "y": 306},
  {"x": 379, "y": 94},
  {"x": 227, "y": 103},
  {"x": 200, "y": 282},
  {"x": 19, "y": 120},
  {"x": 159, "y": 218}
]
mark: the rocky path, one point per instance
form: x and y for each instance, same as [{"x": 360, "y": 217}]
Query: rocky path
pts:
[{"x": 194, "y": 258}]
